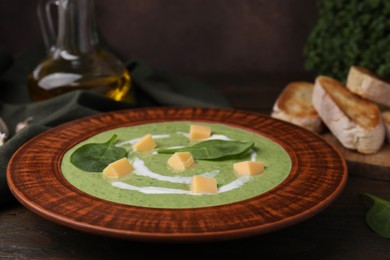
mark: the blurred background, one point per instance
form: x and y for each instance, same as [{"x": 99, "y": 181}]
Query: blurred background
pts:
[{"x": 232, "y": 40}]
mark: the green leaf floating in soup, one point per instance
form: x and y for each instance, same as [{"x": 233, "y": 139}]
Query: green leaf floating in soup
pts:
[
  {"x": 94, "y": 157},
  {"x": 154, "y": 184},
  {"x": 213, "y": 149}
]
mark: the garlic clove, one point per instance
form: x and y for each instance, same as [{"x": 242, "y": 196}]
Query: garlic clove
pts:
[
  {"x": 23, "y": 124},
  {"x": 3, "y": 127}
]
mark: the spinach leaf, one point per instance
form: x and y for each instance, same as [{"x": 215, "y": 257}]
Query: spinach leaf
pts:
[
  {"x": 212, "y": 149},
  {"x": 378, "y": 217},
  {"x": 96, "y": 156}
]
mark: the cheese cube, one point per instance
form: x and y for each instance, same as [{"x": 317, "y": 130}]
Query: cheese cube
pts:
[
  {"x": 181, "y": 160},
  {"x": 202, "y": 184},
  {"x": 199, "y": 132},
  {"x": 249, "y": 168},
  {"x": 146, "y": 143},
  {"x": 118, "y": 168}
]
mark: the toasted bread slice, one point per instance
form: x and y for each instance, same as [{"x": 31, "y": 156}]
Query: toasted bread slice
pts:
[
  {"x": 386, "y": 121},
  {"x": 294, "y": 105},
  {"x": 366, "y": 84},
  {"x": 353, "y": 120}
]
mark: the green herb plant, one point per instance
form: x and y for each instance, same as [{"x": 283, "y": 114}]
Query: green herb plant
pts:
[
  {"x": 378, "y": 217},
  {"x": 95, "y": 157},
  {"x": 350, "y": 32},
  {"x": 212, "y": 149}
]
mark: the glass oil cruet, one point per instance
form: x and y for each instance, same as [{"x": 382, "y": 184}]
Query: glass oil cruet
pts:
[{"x": 75, "y": 60}]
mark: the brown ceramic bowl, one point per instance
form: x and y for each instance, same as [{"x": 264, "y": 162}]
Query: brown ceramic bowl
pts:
[{"x": 317, "y": 176}]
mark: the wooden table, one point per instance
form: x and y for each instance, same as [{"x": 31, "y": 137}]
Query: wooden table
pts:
[{"x": 339, "y": 232}]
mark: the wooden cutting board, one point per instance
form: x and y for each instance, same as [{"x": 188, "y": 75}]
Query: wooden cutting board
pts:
[{"x": 374, "y": 166}]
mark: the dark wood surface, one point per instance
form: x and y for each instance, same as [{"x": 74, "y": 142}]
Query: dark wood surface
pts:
[{"x": 338, "y": 232}]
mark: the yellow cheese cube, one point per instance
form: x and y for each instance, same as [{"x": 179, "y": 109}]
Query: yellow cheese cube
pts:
[
  {"x": 118, "y": 168},
  {"x": 249, "y": 168},
  {"x": 202, "y": 184},
  {"x": 146, "y": 143},
  {"x": 199, "y": 132},
  {"x": 181, "y": 160}
]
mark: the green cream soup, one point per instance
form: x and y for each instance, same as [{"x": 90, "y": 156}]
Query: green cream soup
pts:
[{"x": 154, "y": 184}]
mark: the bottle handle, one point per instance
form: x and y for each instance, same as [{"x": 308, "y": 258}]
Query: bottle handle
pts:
[{"x": 46, "y": 23}]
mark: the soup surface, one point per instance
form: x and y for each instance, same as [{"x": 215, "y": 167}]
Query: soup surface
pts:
[{"x": 154, "y": 184}]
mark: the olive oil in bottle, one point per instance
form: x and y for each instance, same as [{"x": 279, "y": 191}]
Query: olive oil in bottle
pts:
[
  {"x": 53, "y": 77},
  {"x": 75, "y": 60}
]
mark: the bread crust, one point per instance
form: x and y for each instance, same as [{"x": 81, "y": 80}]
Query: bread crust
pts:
[
  {"x": 366, "y": 84},
  {"x": 294, "y": 105},
  {"x": 354, "y": 121}
]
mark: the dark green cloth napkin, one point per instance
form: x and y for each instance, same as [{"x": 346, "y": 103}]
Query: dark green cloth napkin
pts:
[{"x": 151, "y": 87}]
